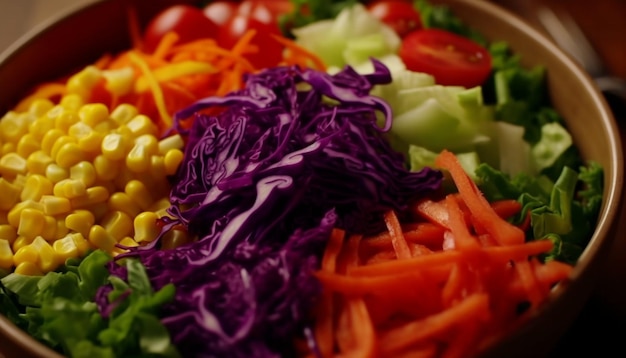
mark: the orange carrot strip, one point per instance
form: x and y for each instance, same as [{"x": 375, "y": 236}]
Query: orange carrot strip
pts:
[
  {"x": 501, "y": 230},
  {"x": 474, "y": 307},
  {"x": 397, "y": 237},
  {"x": 497, "y": 253},
  {"x": 349, "y": 256},
  {"x": 463, "y": 239},
  {"x": 361, "y": 329},
  {"x": 323, "y": 329},
  {"x": 527, "y": 277},
  {"x": 357, "y": 285},
  {"x": 427, "y": 234},
  {"x": 506, "y": 208}
]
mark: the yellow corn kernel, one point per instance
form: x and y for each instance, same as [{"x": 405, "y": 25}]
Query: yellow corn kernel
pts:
[
  {"x": 157, "y": 171},
  {"x": 80, "y": 221},
  {"x": 65, "y": 120},
  {"x": 55, "y": 205},
  {"x": 106, "y": 169},
  {"x": 31, "y": 224},
  {"x": 70, "y": 188},
  {"x": 146, "y": 227},
  {"x": 142, "y": 124},
  {"x": 174, "y": 238},
  {"x": 27, "y": 144},
  {"x": 13, "y": 216},
  {"x": 69, "y": 154},
  {"x": 150, "y": 142},
  {"x": 118, "y": 224},
  {"x": 172, "y": 142},
  {"x": 100, "y": 238},
  {"x": 56, "y": 174},
  {"x": 139, "y": 193},
  {"x": 20, "y": 242},
  {"x": 55, "y": 112},
  {"x": 49, "y": 231},
  {"x": 65, "y": 248},
  {"x": 60, "y": 143},
  {"x": 114, "y": 146},
  {"x": 12, "y": 164},
  {"x": 12, "y": 127},
  {"x": 160, "y": 206},
  {"x": 119, "y": 81},
  {"x": 108, "y": 185},
  {"x": 62, "y": 229},
  {"x": 72, "y": 102},
  {"x": 94, "y": 195},
  {"x": 35, "y": 187},
  {"x": 40, "y": 127},
  {"x": 19, "y": 181},
  {"x": 84, "y": 172},
  {"x": 6, "y": 255},
  {"x": 48, "y": 260},
  {"x": 8, "y": 232},
  {"x": 37, "y": 162},
  {"x": 26, "y": 253},
  {"x": 8, "y": 148},
  {"x": 93, "y": 113},
  {"x": 126, "y": 242},
  {"x": 3, "y": 218},
  {"x": 10, "y": 194},
  {"x": 40, "y": 106},
  {"x": 173, "y": 158},
  {"x": 79, "y": 130},
  {"x": 120, "y": 201},
  {"x": 28, "y": 269},
  {"x": 83, "y": 82},
  {"x": 91, "y": 142},
  {"x": 124, "y": 113},
  {"x": 82, "y": 244},
  {"x": 138, "y": 159},
  {"x": 49, "y": 139},
  {"x": 105, "y": 127}
]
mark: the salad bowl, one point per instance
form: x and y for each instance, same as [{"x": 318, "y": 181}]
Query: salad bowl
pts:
[{"x": 33, "y": 60}]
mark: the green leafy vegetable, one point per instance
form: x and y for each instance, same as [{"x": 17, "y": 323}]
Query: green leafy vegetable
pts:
[{"x": 59, "y": 309}]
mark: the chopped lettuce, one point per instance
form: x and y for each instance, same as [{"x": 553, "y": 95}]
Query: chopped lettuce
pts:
[
  {"x": 60, "y": 309},
  {"x": 563, "y": 211},
  {"x": 350, "y": 38}
]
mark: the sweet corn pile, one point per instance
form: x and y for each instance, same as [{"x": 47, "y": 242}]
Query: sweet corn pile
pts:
[{"x": 76, "y": 176}]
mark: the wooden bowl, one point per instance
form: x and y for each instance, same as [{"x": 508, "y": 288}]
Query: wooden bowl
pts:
[{"x": 79, "y": 37}]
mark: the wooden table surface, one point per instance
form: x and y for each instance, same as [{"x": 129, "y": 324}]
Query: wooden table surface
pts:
[
  {"x": 601, "y": 326},
  {"x": 600, "y": 329}
]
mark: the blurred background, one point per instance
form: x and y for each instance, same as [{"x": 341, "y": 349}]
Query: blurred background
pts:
[{"x": 601, "y": 327}]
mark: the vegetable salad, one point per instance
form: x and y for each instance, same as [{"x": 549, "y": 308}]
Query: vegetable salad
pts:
[{"x": 290, "y": 178}]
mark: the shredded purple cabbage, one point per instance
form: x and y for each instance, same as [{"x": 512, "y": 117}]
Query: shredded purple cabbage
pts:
[{"x": 293, "y": 155}]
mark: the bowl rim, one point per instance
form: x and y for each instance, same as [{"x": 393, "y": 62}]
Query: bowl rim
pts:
[{"x": 601, "y": 238}]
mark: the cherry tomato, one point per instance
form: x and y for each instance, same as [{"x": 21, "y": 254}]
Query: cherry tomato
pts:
[
  {"x": 220, "y": 11},
  {"x": 400, "y": 15},
  {"x": 254, "y": 15},
  {"x": 450, "y": 58},
  {"x": 187, "y": 21}
]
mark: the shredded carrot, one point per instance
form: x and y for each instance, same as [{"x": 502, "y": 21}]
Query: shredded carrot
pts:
[
  {"x": 482, "y": 211},
  {"x": 397, "y": 237},
  {"x": 450, "y": 289}
]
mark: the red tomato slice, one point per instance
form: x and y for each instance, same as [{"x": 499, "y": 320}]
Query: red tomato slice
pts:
[
  {"x": 450, "y": 58},
  {"x": 220, "y": 11},
  {"x": 187, "y": 21},
  {"x": 400, "y": 15},
  {"x": 254, "y": 15}
]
